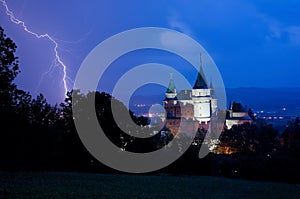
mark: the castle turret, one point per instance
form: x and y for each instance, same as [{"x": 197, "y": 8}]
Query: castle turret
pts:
[
  {"x": 171, "y": 90},
  {"x": 201, "y": 96},
  {"x": 171, "y": 104}
]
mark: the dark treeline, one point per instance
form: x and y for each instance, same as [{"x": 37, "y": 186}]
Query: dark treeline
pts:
[{"x": 36, "y": 135}]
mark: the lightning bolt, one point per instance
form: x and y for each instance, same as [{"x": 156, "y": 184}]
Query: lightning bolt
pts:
[{"x": 57, "y": 60}]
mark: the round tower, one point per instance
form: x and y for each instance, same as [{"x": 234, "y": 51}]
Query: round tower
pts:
[{"x": 201, "y": 96}]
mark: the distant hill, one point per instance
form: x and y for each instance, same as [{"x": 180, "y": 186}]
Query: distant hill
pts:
[{"x": 267, "y": 99}]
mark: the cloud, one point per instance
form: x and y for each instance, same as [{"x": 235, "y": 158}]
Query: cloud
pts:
[
  {"x": 294, "y": 34},
  {"x": 175, "y": 42},
  {"x": 180, "y": 26},
  {"x": 275, "y": 31},
  {"x": 176, "y": 22},
  {"x": 278, "y": 31}
]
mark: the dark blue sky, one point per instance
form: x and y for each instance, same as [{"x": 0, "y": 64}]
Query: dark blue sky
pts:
[{"x": 253, "y": 43}]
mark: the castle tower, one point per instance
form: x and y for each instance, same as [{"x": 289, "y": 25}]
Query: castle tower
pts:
[
  {"x": 171, "y": 104},
  {"x": 201, "y": 97}
]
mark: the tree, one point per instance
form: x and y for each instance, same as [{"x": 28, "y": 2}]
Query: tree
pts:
[
  {"x": 9, "y": 69},
  {"x": 26, "y": 123},
  {"x": 291, "y": 136}
]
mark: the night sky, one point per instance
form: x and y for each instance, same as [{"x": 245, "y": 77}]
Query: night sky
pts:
[{"x": 253, "y": 43}]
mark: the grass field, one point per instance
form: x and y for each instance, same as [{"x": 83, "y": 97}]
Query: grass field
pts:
[{"x": 82, "y": 185}]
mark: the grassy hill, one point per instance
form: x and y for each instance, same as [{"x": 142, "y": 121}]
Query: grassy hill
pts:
[{"x": 79, "y": 185}]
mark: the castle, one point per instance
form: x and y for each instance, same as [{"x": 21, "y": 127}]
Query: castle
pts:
[
  {"x": 196, "y": 106},
  {"x": 193, "y": 109}
]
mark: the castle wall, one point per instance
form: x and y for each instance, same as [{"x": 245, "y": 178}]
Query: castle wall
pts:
[{"x": 182, "y": 127}]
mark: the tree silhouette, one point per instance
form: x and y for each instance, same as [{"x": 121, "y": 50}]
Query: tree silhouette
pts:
[
  {"x": 26, "y": 124},
  {"x": 291, "y": 136},
  {"x": 9, "y": 69}
]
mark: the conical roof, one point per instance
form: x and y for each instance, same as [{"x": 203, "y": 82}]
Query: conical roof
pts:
[
  {"x": 171, "y": 88},
  {"x": 200, "y": 81}
]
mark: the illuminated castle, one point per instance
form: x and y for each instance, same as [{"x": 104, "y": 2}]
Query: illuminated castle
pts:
[
  {"x": 195, "y": 106},
  {"x": 193, "y": 109}
]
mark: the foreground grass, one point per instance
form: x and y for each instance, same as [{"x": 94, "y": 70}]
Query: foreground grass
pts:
[{"x": 78, "y": 185}]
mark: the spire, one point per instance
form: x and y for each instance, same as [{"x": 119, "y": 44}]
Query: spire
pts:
[
  {"x": 201, "y": 81},
  {"x": 200, "y": 61},
  {"x": 171, "y": 88},
  {"x": 212, "y": 88},
  {"x": 230, "y": 105}
]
